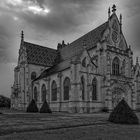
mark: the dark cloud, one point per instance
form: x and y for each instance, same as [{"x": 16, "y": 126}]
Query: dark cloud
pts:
[
  {"x": 64, "y": 16},
  {"x": 7, "y": 38}
]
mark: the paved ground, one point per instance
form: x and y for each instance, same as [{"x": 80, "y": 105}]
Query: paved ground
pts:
[{"x": 62, "y": 126}]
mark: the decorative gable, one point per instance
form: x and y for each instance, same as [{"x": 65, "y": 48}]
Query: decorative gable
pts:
[{"x": 113, "y": 35}]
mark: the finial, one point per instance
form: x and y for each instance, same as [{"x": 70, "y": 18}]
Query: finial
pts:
[
  {"x": 63, "y": 43},
  {"x": 113, "y": 8},
  {"x": 22, "y": 35},
  {"x": 121, "y": 18},
  {"x": 137, "y": 60},
  {"x": 109, "y": 12}
]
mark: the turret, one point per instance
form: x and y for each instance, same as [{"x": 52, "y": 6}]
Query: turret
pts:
[
  {"x": 59, "y": 46},
  {"x": 63, "y": 44}
]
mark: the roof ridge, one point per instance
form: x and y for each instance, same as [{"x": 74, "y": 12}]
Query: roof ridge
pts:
[
  {"x": 37, "y": 45},
  {"x": 96, "y": 28}
]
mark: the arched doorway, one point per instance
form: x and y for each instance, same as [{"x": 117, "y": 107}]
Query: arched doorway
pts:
[{"x": 117, "y": 95}]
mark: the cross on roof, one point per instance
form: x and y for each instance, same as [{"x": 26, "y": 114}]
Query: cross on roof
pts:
[
  {"x": 114, "y": 8},
  {"x": 22, "y": 35}
]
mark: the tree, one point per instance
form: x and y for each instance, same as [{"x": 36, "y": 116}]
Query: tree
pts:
[
  {"x": 4, "y": 101},
  {"x": 123, "y": 114},
  {"x": 32, "y": 107},
  {"x": 45, "y": 108}
]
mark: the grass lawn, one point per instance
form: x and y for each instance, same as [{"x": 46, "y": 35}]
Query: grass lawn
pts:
[{"x": 63, "y": 126}]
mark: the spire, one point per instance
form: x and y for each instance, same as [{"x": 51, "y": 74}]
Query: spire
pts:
[
  {"x": 22, "y": 36},
  {"x": 109, "y": 12},
  {"x": 114, "y": 8},
  {"x": 120, "y": 22}
]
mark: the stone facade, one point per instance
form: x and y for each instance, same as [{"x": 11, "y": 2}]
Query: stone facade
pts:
[{"x": 94, "y": 72}]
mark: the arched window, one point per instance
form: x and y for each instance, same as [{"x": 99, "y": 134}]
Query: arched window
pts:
[
  {"x": 123, "y": 67},
  {"x": 43, "y": 93},
  {"x": 66, "y": 88},
  {"x": 83, "y": 87},
  {"x": 35, "y": 94},
  {"x": 33, "y": 75},
  {"x": 54, "y": 91},
  {"x": 116, "y": 66},
  {"x": 94, "y": 89}
]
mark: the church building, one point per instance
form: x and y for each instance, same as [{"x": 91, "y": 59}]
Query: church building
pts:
[{"x": 88, "y": 75}]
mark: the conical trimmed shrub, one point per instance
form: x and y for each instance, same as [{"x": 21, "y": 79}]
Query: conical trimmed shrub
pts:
[
  {"x": 45, "y": 108},
  {"x": 32, "y": 107},
  {"x": 123, "y": 114}
]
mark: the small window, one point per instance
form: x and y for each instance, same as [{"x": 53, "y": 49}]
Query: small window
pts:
[
  {"x": 66, "y": 88},
  {"x": 54, "y": 91},
  {"x": 116, "y": 66},
  {"x": 33, "y": 75},
  {"x": 83, "y": 87},
  {"x": 43, "y": 91},
  {"x": 94, "y": 89}
]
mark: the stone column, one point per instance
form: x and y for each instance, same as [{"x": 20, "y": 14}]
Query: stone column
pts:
[
  {"x": 108, "y": 100},
  {"x": 74, "y": 106}
]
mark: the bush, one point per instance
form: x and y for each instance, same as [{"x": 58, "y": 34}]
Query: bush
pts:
[
  {"x": 4, "y": 101},
  {"x": 123, "y": 114},
  {"x": 45, "y": 108},
  {"x": 32, "y": 106}
]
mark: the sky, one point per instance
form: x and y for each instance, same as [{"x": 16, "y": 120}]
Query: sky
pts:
[{"x": 48, "y": 22}]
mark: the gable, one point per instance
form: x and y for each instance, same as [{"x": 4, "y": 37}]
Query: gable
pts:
[{"x": 114, "y": 34}]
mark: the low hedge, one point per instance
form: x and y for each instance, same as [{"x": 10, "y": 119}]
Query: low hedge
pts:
[
  {"x": 32, "y": 107},
  {"x": 45, "y": 108}
]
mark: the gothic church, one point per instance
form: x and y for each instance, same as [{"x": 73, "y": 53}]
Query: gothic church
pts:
[{"x": 94, "y": 72}]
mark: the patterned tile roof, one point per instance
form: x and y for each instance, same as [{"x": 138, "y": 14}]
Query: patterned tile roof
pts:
[
  {"x": 40, "y": 55},
  {"x": 74, "y": 49}
]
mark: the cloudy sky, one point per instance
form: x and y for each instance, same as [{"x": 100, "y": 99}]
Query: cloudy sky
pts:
[{"x": 48, "y": 22}]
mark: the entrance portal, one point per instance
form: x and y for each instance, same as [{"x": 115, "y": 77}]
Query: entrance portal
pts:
[{"x": 117, "y": 96}]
